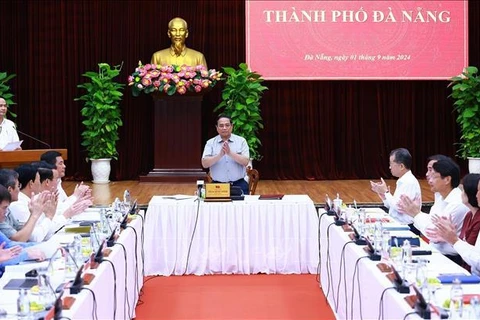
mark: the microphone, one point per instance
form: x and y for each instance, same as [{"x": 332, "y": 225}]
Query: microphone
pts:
[
  {"x": 99, "y": 255},
  {"x": 33, "y": 138},
  {"x": 77, "y": 284},
  {"x": 401, "y": 285},
  {"x": 133, "y": 209}
]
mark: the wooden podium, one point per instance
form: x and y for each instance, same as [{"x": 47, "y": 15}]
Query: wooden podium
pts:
[
  {"x": 177, "y": 139},
  {"x": 11, "y": 159}
]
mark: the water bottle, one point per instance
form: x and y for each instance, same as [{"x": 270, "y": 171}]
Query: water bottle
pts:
[
  {"x": 23, "y": 305},
  {"x": 70, "y": 263},
  {"x": 77, "y": 245},
  {"x": 126, "y": 198},
  {"x": 475, "y": 308},
  {"x": 93, "y": 239},
  {"x": 456, "y": 300},
  {"x": 202, "y": 192},
  {"x": 361, "y": 222},
  {"x": 377, "y": 237},
  {"x": 406, "y": 252}
]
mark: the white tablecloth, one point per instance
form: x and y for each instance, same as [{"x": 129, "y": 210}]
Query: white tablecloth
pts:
[
  {"x": 245, "y": 237},
  {"x": 102, "y": 285},
  {"x": 369, "y": 282}
]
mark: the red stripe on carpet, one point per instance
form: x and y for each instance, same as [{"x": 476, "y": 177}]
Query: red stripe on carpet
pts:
[{"x": 233, "y": 297}]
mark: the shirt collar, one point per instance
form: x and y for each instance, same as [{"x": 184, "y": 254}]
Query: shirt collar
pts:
[{"x": 219, "y": 139}]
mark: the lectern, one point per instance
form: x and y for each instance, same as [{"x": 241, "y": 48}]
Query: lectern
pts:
[
  {"x": 177, "y": 139},
  {"x": 12, "y": 159}
]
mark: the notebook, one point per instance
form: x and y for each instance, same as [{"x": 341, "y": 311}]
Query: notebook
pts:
[{"x": 17, "y": 284}]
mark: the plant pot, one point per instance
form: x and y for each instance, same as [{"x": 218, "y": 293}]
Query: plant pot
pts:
[
  {"x": 473, "y": 165},
  {"x": 101, "y": 170}
]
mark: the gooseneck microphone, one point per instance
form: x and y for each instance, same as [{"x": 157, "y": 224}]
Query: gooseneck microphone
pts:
[{"x": 33, "y": 138}]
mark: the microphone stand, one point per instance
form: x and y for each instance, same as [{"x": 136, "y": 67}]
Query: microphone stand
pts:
[{"x": 33, "y": 138}]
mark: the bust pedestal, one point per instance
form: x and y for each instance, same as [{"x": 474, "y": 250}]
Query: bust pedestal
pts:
[{"x": 177, "y": 139}]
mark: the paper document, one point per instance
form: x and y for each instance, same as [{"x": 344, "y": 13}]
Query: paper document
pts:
[
  {"x": 11, "y": 146},
  {"x": 179, "y": 197}
]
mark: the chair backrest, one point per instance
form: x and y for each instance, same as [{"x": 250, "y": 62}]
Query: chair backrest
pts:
[{"x": 253, "y": 177}]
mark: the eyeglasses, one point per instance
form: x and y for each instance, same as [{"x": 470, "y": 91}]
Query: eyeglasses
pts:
[
  {"x": 226, "y": 125},
  {"x": 3, "y": 105}
]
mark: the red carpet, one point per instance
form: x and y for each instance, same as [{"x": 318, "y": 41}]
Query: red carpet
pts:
[{"x": 233, "y": 297}]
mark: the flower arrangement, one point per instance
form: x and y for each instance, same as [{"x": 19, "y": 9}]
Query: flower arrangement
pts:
[{"x": 172, "y": 79}]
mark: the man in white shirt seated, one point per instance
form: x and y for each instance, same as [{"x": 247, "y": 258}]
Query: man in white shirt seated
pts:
[
  {"x": 29, "y": 179},
  {"x": 407, "y": 184},
  {"x": 55, "y": 158},
  {"x": 444, "y": 179},
  {"x": 9, "y": 225},
  {"x": 49, "y": 222}
]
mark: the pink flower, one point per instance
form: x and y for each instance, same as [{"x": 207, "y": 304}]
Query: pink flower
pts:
[
  {"x": 165, "y": 87},
  {"x": 130, "y": 78},
  {"x": 181, "y": 90},
  {"x": 198, "y": 88},
  {"x": 154, "y": 73},
  {"x": 156, "y": 83},
  {"x": 146, "y": 82},
  {"x": 204, "y": 73}
]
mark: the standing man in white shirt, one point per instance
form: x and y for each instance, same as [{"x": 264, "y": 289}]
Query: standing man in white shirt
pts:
[
  {"x": 444, "y": 179},
  {"x": 8, "y": 131},
  {"x": 227, "y": 155},
  {"x": 407, "y": 184}
]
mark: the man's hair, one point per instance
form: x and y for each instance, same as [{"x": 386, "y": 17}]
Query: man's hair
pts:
[
  {"x": 43, "y": 164},
  {"x": 223, "y": 115},
  {"x": 4, "y": 194},
  {"x": 26, "y": 173},
  {"x": 402, "y": 156},
  {"x": 50, "y": 156},
  {"x": 448, "y": 168},
  {"x": 437, "y": 157},
  {"x": 470, "y": 187},
  {"x": 45, "y": 173},
  {"x": 8, "y": 178}
]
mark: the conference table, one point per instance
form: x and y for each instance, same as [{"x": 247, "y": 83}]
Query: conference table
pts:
[
  {"x": 115, "y": 291},
  {"x": 186, "y": 236},
  {"x": 355, "y": 286}
]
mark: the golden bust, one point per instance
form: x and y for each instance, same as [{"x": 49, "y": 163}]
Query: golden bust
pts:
[{"x": 178, "y": 53}]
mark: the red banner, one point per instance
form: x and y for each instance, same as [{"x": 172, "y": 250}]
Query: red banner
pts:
[{"x": 369, "y": 40}]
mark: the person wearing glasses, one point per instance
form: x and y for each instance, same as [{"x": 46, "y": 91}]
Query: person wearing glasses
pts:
[
  {"x": 444, "y": 178},
  {"x": 8, "y": 131},
  {"x": 400, "y": 164},
  {"x": 227, "y": 155}
]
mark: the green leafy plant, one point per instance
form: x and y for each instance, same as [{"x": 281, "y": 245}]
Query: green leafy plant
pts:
[
  {"x": 5, "y": 91},
  {"x": 241, "y": 100},
  {"x": 101, "y": 112},
  {"x": 466, "y": 93}
]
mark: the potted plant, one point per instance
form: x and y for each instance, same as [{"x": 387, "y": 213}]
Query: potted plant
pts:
[
  {"x": 466, "y": 93},
  {"x": 5, "y": 90},
  {"x": 241, "y": 100},
  {"x": 101, "y": 118}
]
